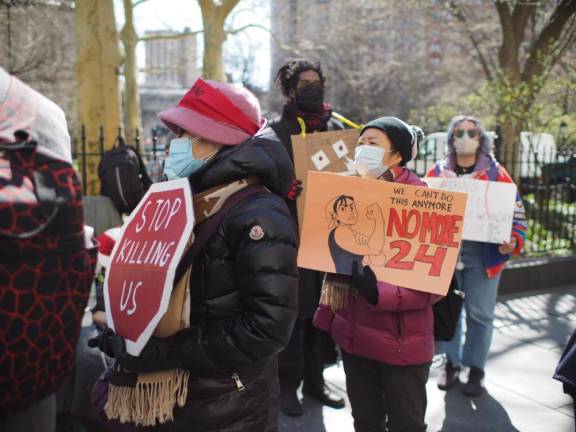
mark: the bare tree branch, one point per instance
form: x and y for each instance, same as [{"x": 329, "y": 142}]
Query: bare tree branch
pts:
[
  {"x": 564, "y": 12},
  {"x": 208, "y": 4},
  {"x": 226, "y": 7},
  {"x": 246, "y": 27},
  {"x": 520, "y": 16},
  {"x": 458, "y": 13},
  {"x": 503, "y": 8},
  {"x": 567, "y": 42}
]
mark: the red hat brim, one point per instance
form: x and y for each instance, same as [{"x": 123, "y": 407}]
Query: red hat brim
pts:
[{"x": 180, "y": 118}]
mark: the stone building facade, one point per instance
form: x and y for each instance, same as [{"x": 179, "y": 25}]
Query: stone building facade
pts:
[{"x": 171, "y": 67}]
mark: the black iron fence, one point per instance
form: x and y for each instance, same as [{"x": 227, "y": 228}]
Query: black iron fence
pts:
[
  {"x": 151, "y": 148},
  {"x": 545, "y": 175}
]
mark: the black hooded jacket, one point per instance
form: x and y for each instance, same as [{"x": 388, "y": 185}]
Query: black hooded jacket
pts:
[
  {"x": 243, "y": 300},
  {"x": 243, "y": 291}
]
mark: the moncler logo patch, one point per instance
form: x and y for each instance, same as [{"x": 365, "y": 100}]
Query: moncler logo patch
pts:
[{"x": 256, "y": 233}]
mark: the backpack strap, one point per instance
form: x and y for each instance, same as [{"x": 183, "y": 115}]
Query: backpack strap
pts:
[
  {"x": 208, "y": 228},
  {"x": 146, "y": 180}
]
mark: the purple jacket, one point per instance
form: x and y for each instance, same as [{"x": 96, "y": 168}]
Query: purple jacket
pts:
[{"x": 399, "y": 330}]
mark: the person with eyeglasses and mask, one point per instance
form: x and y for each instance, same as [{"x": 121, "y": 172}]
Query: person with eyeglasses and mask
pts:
[
  {"x": 302, "y": 84},
  {"x": 385, "y": 331},
  {"x": 480, "y": 265}
]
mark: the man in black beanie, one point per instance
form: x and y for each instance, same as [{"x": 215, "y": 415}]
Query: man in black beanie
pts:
[{"x": 302, "y": 83}]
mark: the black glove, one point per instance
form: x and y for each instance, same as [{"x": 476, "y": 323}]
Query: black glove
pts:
[
  {"x": 365, "y": 283},
  {"x": 156, "y": 356},
  {"x": 153, "y": 358},
  {"x": 295, "y": 190},
  {"x": 109, "y": 343}
]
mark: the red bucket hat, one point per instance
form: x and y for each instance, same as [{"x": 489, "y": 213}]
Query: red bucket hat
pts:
[{"x": 218, "y": 112}]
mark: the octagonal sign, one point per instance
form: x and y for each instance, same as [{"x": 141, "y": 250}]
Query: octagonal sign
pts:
[{"x": 143, "y": 264}]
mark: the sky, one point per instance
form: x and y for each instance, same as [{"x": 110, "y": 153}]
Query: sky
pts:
[{"x": 179, "y": 14}]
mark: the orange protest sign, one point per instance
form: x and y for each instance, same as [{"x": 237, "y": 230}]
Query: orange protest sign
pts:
[
  {"x": 409, "y": 235},
  {"x": 331, "y": 151}
]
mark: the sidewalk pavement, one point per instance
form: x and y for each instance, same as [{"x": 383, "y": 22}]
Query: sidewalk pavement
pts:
[{"x": 531, "y": 329}]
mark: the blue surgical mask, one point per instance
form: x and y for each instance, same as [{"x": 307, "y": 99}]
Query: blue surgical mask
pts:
[
  {"x": 181, "y": 161},
  {"x": 368, "y": 161}
]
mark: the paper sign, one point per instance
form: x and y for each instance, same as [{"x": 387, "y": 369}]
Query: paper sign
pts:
[
  {"x": 323, "y": 151},
  {"x": 409, "y": 235},
  {"x": 143, "y": 263},
  {"x": 490, "y": 208}
]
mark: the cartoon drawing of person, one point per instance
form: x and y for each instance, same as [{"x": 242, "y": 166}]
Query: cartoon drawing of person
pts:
[{"x": 348, "y": 245}]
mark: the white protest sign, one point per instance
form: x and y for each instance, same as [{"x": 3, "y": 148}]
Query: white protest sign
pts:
[{"x": 489, "y": 210}]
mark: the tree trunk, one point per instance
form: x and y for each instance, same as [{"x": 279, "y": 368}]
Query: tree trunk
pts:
[
  {"x": 214, "y": 38},
  {"x": 510, "y": 151},
  {"x": 508, "y": 80},
  {"x": 98, "y": 60},
  {"x": 129, "y": 38},
  {"x": 213, "y": 18}
]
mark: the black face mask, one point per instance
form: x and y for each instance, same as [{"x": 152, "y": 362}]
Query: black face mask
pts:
[{"x": 310, "y": 98}]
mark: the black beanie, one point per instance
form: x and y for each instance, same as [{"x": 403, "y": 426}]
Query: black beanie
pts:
[{"x": 403, "y": 137}]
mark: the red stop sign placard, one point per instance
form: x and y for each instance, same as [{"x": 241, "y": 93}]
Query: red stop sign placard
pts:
[{"x": 143, "y": 263}]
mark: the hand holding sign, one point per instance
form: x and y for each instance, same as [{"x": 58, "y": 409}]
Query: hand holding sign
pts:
[
  {"x": 508, "y": 247},
  {"x": 109, "y": 343},
  {"x": 364, "y": 280}
]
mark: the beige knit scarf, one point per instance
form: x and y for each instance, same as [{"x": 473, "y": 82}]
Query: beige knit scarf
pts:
[{"x": 336, "y": 291}]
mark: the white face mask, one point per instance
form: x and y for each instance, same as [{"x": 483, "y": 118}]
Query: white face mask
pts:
[
  {"x": 465, "y": 145},
  {"x": 368, "y": 161}
]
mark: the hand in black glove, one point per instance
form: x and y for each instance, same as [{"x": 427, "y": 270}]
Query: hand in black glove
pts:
[
  {"x": 365, "y": 283},
  {"x": 295, "y": 191},
  {"x": 109, "y": 343},
  {"x": 153, "y": 358}
]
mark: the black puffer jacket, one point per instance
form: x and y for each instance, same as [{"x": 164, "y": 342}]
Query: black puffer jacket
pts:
[
  {"x": 243, "y": 291},
  {"x": 243, "y": 296}
]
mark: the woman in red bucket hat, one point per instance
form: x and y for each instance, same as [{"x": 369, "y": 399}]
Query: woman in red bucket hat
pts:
[{"x": 243, "y": 284}]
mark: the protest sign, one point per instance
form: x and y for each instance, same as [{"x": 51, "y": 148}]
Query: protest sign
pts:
[
  {"x": 409, "y": 235},
  {"x": 143, "y": 263},
  {"x": 489, "y": 210},
  {"x": 331, "y": 151}
]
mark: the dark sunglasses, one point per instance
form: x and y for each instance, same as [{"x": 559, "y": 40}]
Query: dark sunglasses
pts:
[{"x": 472, "y": 133}]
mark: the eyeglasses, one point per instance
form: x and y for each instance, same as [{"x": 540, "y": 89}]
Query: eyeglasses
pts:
[{"x": 472, "y": 133}]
